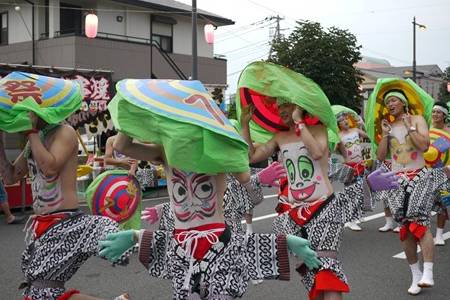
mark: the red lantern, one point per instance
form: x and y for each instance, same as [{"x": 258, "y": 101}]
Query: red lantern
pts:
[
  {"x": 91, "y": 26},
  {"x": 209, "y": 33},
  {"x": 448, "y": 87}
]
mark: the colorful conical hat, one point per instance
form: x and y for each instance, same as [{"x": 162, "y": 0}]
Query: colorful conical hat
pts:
[
  {"x": 52, "y": 99},
  {"x": 419, "y": 103},
  {"x": 181, "y": 116},
  {"x": 118, "y": 196},
  {"x": 260, "y": 82}
]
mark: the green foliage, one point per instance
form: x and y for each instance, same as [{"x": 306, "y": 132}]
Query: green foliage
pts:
[{"x": 325, "y": 56}]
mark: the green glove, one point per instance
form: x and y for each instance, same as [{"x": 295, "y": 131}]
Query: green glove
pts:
[
  {"x": 301, "y": 248},
  {"x": 116, "y": 244}
]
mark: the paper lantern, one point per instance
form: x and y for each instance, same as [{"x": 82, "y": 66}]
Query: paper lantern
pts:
[
  {"x": 209, "y": 33},
  {"x": 448, "y": 87},
  {"x": 91, "y": 26}
]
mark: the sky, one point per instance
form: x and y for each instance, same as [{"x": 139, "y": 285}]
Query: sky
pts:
[{"x": 383, "y": 28}]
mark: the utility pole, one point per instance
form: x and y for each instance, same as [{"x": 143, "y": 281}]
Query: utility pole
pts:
[
  {"x": 194, "y": 75},
  {"x": 277, "y": 33}
]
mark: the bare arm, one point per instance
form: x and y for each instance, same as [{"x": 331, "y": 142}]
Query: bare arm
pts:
[
  {"x": 149, "y": 152},
  {"x": 11, "y": 173},
  {"x": 52, "y": 160},
  {"x": 383, "y": 147},
  {"x": 317, "y": 144},
  {"x": 109, "y": 157},
  {"x": 341, "y": 149},
  {"x": 263, "y": 152},
  {"x": 420, "y": 137},
  {"x": 362, "y": 134}
]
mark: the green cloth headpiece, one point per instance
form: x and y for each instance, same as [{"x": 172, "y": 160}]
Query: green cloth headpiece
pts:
[
  {"x": 52, "y": 99},
  {"x": 399, "y": 95},
  {"x": 181, "y": 116}
]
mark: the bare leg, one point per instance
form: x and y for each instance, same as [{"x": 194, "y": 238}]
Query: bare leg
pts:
[
  {"x": 442, "y": 217},
  {"x": 410, "y": 247},
  {"x": 249, "y": 221},
  {"x": 427, "y": 245},
  {"x": 332, "y": 296},
  {"x": 8, "y": 215}
]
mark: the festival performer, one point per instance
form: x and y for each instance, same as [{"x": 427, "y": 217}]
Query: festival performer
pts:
[
  {"x": 283, "y": 101},
  {"x": 60, "y": 237},
  {"x": 198, "y": 146},
  {"x": 396, "y": 121},
  {"x": 350, "y": 145},
  {"x": 438, "y": 155}
]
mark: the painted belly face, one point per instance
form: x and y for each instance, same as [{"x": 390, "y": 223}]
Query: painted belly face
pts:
[
  {"x": 306, "y": 182},
  {"x": 47, "y": 194},
  {"x": 194, "y": 195}
]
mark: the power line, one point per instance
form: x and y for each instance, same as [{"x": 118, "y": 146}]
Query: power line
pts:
[{"x": 247, "y": 46}]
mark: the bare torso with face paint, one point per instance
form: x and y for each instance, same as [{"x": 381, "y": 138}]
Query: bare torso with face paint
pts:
[
  {"x": 196, "y": 199},
  {"x": 308, "y": 179}
]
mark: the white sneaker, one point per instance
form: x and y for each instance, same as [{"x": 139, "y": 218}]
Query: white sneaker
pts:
[
  {"x": 387, "y": 227},
  {"x": 353, "y": 226},
  {"x": 414, "y": 290},
  {"x": 439, "y": 240},
  {"x": 256, "y": 282},
  {"x": 396, "y": 229}
]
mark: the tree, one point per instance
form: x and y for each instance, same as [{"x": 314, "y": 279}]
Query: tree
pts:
[
  {"x": 444, "y": 94},
  {"x": 327, "y": 57}
]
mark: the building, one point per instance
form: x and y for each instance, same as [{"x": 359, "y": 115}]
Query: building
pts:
[
  {"x": 136, "y": 38},
  {"x": 428, "y": 77}
]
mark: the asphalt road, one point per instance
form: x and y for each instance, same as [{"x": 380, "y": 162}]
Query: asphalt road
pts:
[{"x": 372, "y": 271}]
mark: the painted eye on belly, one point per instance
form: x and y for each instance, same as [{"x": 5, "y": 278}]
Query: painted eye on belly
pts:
[
  {"x": 179, "y": 192},
  {"x": 204, "y": 190}
]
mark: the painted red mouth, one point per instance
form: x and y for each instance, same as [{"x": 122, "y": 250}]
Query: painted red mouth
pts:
[{"x": 304, "y": 193}]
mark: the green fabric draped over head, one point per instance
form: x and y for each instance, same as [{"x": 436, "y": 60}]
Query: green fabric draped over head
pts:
[
  {"x": 182, "y": 117},
  {"x": 52, "y": 99},
  {"x": 271, "y": 80},
  {"x": 419, "y": 103}
]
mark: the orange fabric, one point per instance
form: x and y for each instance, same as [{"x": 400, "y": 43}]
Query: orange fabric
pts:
[{"x": 327, "y": 281}]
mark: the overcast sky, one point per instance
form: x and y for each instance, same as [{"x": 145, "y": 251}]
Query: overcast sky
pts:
[{"x": 382, "y": 27}]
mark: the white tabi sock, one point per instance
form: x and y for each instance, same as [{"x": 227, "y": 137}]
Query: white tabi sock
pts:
[
  {"x": 439, "y": 232},
  {"x": 249, "y": 228},
  {"x": 427, "y": 278},
  {"x": 414, "y": 289}
]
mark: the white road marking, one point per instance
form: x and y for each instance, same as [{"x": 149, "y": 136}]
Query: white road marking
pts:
[{"x": 402, "y": 255}]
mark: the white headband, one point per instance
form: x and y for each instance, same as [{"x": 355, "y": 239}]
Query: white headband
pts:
[{"x": 442, "y": 109}]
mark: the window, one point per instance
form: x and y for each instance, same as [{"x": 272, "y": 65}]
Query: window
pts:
[
  {"x": 70, "y": 19},
  {"x": 164, "y": 41},
  {"x": 162, "y": 32},
  {"x": 4, "y": 28}
]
